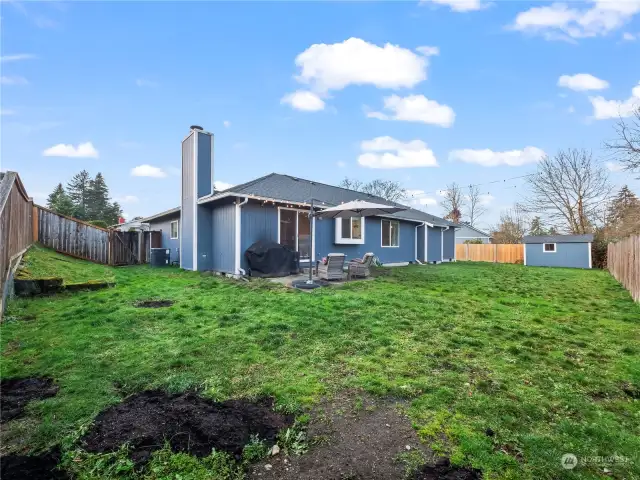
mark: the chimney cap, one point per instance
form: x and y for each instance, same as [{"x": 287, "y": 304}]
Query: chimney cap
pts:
[{"x": 195, "y": 127}]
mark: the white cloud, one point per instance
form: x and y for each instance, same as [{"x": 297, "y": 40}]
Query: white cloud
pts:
[
  {"x": 628, "y": 37},
  {"x": 458, "y": 5},
  {"x": 416, "y": 108},
  {"x": 387, "y": 152},
  {"x": 142, "y": 82},
  {"x": 127, "y": 199},
  {"x": 571, "y": 109},
  {"x": 83, "y": 150},
  {"x": 486, "y": 198},
  {"x": 148, "y": 171},
  {"x": 419, "y": 197},
  {"x": 357, "y": 62},
  {"x": 604, "y": 109},
  {"x": 341, "y": 164},
  {"x": 489, "y": 158},
  {"x": 226, "y": 123},
  {"x": 16, "y": 57},
  {"x": 614, "y": 167},
  {"x": 560, "y": 22},
  {"x": 15, "y": 80},
  {"x": 428, "y": 51},
  {"x": 5, "y": 112},
  {"x": 582, "y": 82},
  {"x": 219, "y": 186},
  {"x": 303, "y": 100}
]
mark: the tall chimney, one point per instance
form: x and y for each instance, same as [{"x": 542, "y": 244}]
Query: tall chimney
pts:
[{"x": 197, "y": 182}]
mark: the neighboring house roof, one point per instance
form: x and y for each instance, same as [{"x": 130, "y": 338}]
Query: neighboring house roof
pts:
[
  {"x": 298, "y": 190},
  {"x": 558, "y": 238},
  {"x": 482, "y": 234},
  {"x": 157, "y": 216}
]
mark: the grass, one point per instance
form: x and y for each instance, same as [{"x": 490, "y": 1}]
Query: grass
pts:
[
  {"x": 547, "y": 359},
  {"x": 41, "y": 262}
]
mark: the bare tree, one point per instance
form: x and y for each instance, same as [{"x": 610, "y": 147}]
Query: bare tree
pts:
[
  {"x": 569, "y": 189},
  {"x": 475, "y": 207},
  {"x": 627, "y": 147},
  {"x": 512, "y": 226},
  {"x": 453, "y": 202},
  {"x": 387, "y": 189}
]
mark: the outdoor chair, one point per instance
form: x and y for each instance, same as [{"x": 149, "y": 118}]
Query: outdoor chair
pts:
[
  {"x": 334, "y": 267},
  {"x": 359, "y": 267}
]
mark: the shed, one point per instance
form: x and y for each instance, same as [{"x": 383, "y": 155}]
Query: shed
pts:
[{"x": 573, "y": 251}]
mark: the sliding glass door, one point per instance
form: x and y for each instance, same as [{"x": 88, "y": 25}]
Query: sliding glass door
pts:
[{"x": 295, "y": 231}]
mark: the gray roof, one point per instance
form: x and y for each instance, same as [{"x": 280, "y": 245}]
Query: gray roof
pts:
[
  {"x": 292, "y": 189},
  {"x": 558, "y": 238},
  {"x": 160, "y": 215}
]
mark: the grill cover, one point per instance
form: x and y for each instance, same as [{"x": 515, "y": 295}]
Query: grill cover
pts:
[{"x": 270, "y": 259}]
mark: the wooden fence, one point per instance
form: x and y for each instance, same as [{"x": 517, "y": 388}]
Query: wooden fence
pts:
[
  {"x": 493, "y": 252},
  {"x": 71, "y": 236},
  {"x": 623, "y": 262},
  {"x": 16, "y": 228}
]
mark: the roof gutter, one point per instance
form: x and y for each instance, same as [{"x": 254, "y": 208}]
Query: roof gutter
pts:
[{"x": 238, "y": 239}]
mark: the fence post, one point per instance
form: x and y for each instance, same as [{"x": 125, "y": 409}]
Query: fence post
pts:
[{"x": 34, "y": 218}]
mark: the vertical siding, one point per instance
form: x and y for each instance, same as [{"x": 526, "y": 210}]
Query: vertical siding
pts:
[
  {"x": 205, "y": 164},
  {"x": 449, "y": 250},
  {"x": 205, "y": 240},
  {"x": 433, "y": 244},
  {"x": 164, "y": 225},
  {"x": 186, "y": 230},
  {"x": 223, "y": 219},
  {"x": 574, "y": 255},
  {"x": 258, "y": 223},
  {"x": 421, "y": 231}
]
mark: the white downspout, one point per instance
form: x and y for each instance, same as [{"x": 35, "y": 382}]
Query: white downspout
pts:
[
  {"x": 239, "y": 271},
  {"x": 416, "y": 243}
]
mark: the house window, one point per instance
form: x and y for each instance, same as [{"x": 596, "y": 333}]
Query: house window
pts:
[
  {"x": 174, "y": 230},
  {"x": 390, "y": 233},
  {"x": 350, "y": 230},
  {"x": 549, "y": 247}
]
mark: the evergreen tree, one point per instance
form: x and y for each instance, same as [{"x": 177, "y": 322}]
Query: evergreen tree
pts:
[
  {"x": 112, "y": 213},
  {"x": 536, "y": 227},
  {"x": 59, "y": 201},
  {"x": 78, "y": 189},
  {"x": 623, "y": 215},
  {"x": 97, "y": 198}
]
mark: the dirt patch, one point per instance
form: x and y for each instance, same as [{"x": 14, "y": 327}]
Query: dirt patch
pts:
[
  {"x": 32, "y": 467},
  {"x": 17, "y": 392},
  {"x": 187, "y": 421},
  {"x": 356, "y": 437},
  {"x": 154, "y": 303},
  {"x": 442, "y": 470}
]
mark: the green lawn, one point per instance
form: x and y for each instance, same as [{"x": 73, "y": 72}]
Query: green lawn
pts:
[
  {"x": 549, "y": 359},
  {"x": 40, "y": 262}
]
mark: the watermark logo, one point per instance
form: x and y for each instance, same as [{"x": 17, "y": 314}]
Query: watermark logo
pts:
[{"x": 569, "y": 461}]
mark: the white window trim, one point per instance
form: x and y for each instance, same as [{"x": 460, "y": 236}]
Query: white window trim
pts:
[
  {"x": 348, "y": 241},
  {"x": 381, "y": 236},
  {"x": 171, "y": 237},
  {"x": 555, "y": 248}
]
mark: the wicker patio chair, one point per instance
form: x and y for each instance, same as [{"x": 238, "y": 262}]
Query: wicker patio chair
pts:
[
  {"x": 359, "y": 267},
  {"x": 333, "y": 269}
]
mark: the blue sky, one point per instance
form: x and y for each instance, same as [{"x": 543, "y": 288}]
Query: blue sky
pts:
[{"x": 316, "y": 90}]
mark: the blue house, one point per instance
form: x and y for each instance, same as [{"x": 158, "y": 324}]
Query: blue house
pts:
[
  {"x": 558, "y": 251},
  {"x": 212, "y": 229}
]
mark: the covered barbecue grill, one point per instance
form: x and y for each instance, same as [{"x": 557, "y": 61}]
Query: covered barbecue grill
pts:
[{"x": 270, "y": 259}]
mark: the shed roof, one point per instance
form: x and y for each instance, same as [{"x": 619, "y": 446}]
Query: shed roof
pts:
[
  {"x": 293, "y": 189},
  {"x": 558, "y": 238}
]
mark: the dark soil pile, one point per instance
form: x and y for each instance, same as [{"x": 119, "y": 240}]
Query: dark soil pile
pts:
[
  {"x": 187, "y": 421},
  {"x": 351, "y": 436},
  {"x": 154, "y": 303},
  {"x": 15, "y": 393},
  {"x": 32, "y": 467},
  {"x": 442, "y": 470}
]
